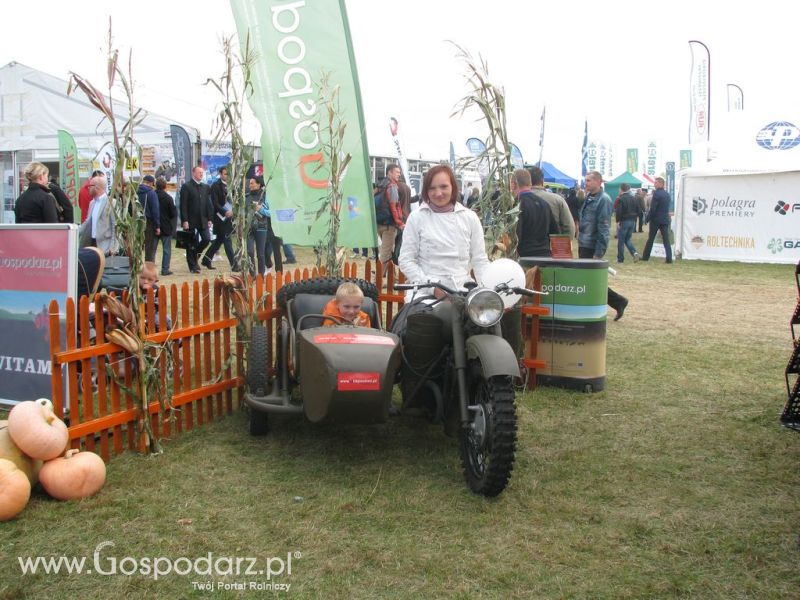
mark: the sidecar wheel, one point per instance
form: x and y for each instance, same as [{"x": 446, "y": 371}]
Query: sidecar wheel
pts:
[
  {"x": 257, "y": 361},
  {"x": 259, "y": 422},
  {"x": 488, "y": 445}
]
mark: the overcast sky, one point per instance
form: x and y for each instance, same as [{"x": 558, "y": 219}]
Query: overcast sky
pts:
[{"x": 623, "y": 65}]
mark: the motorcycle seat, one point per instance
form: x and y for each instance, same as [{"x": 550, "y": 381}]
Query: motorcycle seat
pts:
[{"x": 314, "y": 304}]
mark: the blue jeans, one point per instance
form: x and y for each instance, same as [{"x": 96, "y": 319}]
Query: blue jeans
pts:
[
  {"x": 287, "y": 248},
  {"x": 166, "y": 252},
  {"x": 257, "y": 240},
  {"x": 626, "y": 228}
]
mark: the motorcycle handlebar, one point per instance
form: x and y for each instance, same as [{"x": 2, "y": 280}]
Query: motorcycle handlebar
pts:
[
  {"x": 502, "y": 287},
  {"x": 435, "y": 284},
  {"x": 527, "y": 292}
]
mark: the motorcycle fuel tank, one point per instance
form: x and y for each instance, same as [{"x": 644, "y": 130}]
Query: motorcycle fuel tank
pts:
[{"x": 347, "y": 373}]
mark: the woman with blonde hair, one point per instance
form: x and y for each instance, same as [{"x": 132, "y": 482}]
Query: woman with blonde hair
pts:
[{"x": 42, "y": 202}]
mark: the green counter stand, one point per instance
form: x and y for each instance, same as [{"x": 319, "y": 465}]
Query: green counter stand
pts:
[{"x": 572, "y": 339}]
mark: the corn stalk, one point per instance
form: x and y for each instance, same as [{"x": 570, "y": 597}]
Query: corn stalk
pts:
[
  {"x": 128, "y": 331},
  {"x": 332, "y": 132},
  {"x": 499, "y": 210},
  {"x": 233, "y": 86}
]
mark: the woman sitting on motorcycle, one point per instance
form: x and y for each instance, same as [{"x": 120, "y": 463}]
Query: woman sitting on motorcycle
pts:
[{"x": 443, "y": 239}]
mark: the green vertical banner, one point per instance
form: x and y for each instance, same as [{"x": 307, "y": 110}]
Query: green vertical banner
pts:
[
  {"x": 686, "y": 159},
  {"x": 69, "y": 179},
  {"x": 633, "y": 160},
  {"x": 295, "y": 44}
]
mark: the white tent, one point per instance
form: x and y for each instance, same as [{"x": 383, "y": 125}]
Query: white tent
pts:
[
  {"x": 744, "y": 206},
  {"x": 35, "y": 106}
]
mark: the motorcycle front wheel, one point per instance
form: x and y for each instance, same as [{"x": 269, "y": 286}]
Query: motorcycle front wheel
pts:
[{"x": 489, "y": 442}]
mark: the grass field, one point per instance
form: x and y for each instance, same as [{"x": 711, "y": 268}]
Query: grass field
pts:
[{"x": 676, "y": 481}]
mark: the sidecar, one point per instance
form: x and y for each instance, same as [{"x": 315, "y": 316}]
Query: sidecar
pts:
[{"x": 338, "y": 373}]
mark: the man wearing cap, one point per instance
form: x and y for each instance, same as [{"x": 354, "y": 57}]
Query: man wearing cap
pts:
[{"x": 148, "y": 199}]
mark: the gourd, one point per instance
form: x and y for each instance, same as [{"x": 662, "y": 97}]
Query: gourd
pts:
[
  {"x": 75, "y": 475},
  {"x": 37, "y": 431},
  {"x": 15, "y": 490},
  {"x": 10, "y": 451}
]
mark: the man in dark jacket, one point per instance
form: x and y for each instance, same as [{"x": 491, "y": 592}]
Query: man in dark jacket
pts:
[
  {"x": 627, "y": 210},
  {"x": 148, "y": 200},
  {"x": 536, "y": 221},
  {"x": 167, "y": 214},
  {"x": 221, "y": 216},
  {"x": 658, "y": 218},
  {"x": 195, "y": 215}
]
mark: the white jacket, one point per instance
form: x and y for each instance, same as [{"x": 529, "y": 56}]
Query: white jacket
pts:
[{"x": 442, "y": 247}]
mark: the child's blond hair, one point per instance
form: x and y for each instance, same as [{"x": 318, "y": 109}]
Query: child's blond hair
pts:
[
  {"x": 347, "y": 290},
  {"x": 150, "y": 268}
]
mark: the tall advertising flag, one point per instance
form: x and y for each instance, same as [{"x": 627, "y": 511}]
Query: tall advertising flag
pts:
[
  {"x": 652, "y": 158},
  {"x": 68, "y": 170},
  {"x": 699, "y": 93},
  {"x": 632, "y": 163},
  {"x": 585, "y": 152},
  {"x": 394, "y": 129},
  {"x": 478, "y": 149},
  {"x": 296, "y": 43},
  {"x": 516, "y": 157},
  {"x": 735, "y": 97},
  {"x": 452, "y": 157},
  {"x": 670, "y": 184},
  {"x": 541, "y": 137},
  {"x": 182, "y": 153}
]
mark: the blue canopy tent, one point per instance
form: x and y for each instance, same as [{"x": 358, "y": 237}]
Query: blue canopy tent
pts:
[{"x": 553, "y": 175}]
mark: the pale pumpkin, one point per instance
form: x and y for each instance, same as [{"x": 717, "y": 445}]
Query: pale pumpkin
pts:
[
  {"x": 37, "y": 431},
  {"x": 45, "y": 402},
  {"x": 15, "y": 490},
  {"x": 9, "y": 450},
  {"x": 75, "y": 475}
]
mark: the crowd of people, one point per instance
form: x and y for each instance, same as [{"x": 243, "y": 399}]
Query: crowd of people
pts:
[{"x": 441, "y": 240}]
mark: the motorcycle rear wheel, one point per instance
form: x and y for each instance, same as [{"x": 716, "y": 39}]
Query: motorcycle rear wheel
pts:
[{"x": 489, "y": 443}]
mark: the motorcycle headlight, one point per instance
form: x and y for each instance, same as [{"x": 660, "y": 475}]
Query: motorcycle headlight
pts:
[{"x": 484, "y": 307}]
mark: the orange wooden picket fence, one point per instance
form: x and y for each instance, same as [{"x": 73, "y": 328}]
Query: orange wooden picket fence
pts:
[{"x": 207, "y": 358}]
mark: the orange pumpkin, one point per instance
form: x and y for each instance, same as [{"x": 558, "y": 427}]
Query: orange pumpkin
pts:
[
  {"x": 75, "y": 475},
  {"x": 37, "y": 431},
  {"x": 10, "y": 451},
  {"x": 15, "y": 490}
]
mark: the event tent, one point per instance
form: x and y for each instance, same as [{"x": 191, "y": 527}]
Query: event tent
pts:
[
  {"x": 743, "y": 205},
  {"x": 36, "y": 105},
  {"x": 553, "y": 175},
  {"x": 612, "y": 187}
]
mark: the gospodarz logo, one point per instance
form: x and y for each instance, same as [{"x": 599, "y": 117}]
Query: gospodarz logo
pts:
[
  {"x": 775, "y": 245},
  {"x": 783, "y": 208},
  {"x": 699, "y": 205}
]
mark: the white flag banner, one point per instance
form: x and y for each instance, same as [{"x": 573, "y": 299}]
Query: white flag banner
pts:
[
  {"x": 744, "y": 218},
  {"x": 699, "y": 93}
]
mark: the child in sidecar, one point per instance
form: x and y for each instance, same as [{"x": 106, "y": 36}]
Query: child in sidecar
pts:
[
  {"x": 346, "y": 306},
  {"x": 331, "y": 349}
]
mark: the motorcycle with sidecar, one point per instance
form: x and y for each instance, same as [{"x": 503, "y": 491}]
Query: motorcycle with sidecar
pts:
[{"x": 454, "y": 367}]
